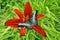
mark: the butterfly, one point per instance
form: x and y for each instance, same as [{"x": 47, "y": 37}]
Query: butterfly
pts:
[
  {"x": 26, "y": 21},
  {"x": 32, "y": 21}
]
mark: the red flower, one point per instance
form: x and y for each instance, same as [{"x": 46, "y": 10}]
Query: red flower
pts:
[{"x": 27, "y": 14}]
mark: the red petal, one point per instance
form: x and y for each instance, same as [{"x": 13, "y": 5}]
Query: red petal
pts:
[
  {"x": 40, "y": 15},
  {"x": 27, "y": 9},
  {"x": 22, "y": 31},
  {"x": 13, "y": 23},
  {"x": 39, "y": 30},
  {"x": 19, "y": 14}
]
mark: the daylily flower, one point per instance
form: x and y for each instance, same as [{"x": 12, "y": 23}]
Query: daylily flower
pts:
[{"x": 23, "y": 18}]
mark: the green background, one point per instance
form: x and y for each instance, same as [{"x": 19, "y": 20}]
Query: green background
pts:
[{"x": 50, "y": 23}]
